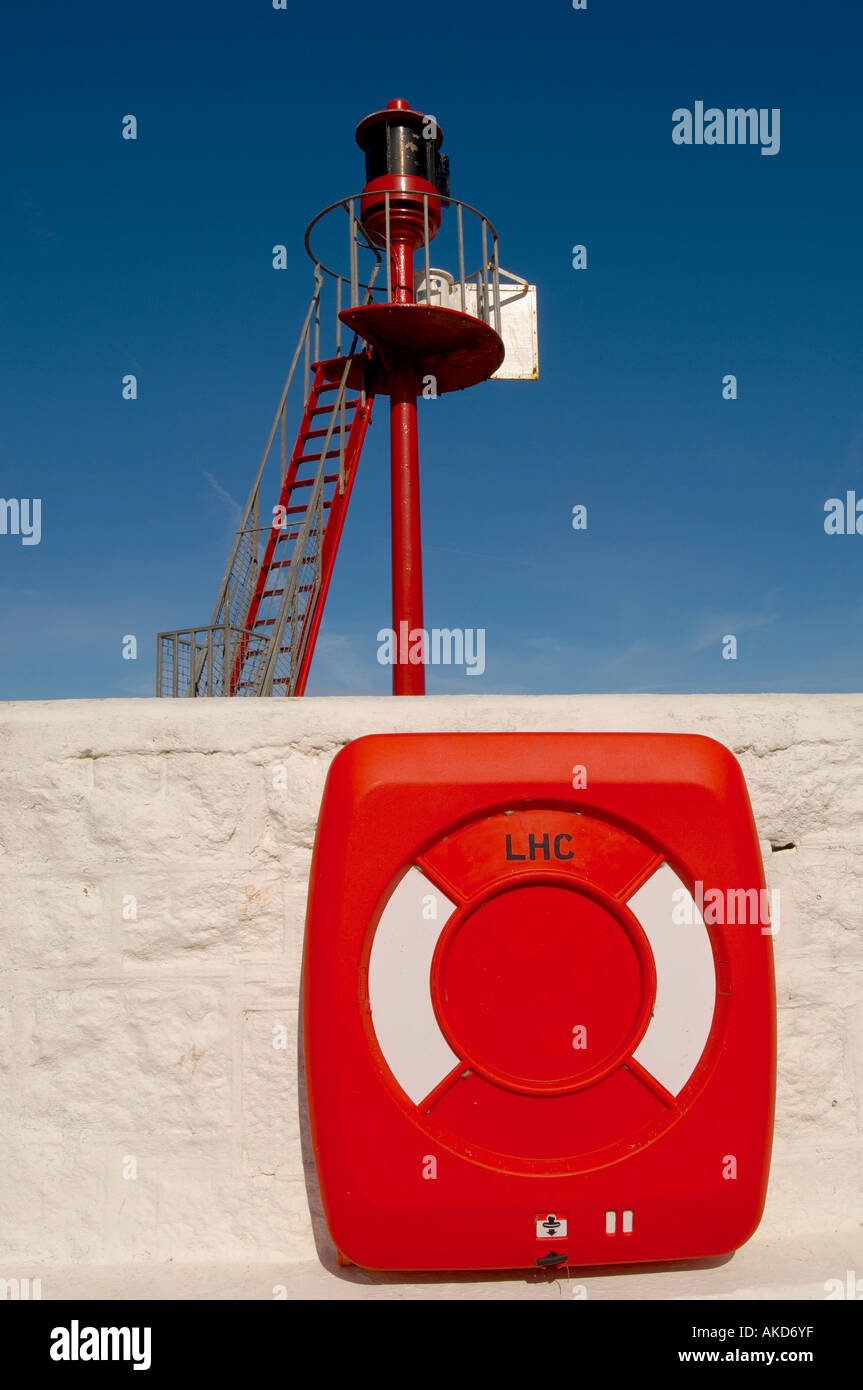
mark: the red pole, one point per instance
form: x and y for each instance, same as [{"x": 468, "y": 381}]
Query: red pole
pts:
[{"x": 408, "y": 677}]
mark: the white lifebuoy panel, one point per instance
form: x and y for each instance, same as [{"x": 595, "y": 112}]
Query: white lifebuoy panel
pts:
[
  {"x": 685, "y": 980},
  {"x": 415, "y": 1049}
]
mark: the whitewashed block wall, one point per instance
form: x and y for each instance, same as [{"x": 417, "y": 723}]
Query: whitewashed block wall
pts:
[{"x": 153, "y": 870}]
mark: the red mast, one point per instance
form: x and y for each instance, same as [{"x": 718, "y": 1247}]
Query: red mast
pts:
[{"x": 407, "y": 178}]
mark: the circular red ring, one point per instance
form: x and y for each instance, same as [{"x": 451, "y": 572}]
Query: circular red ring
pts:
[{"x": 625, "y": 918}]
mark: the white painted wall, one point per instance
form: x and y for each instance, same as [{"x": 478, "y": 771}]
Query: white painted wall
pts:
[{"x": 151, "y": 1039}]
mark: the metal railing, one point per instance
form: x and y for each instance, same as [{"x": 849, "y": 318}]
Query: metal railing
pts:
[
  {"x": 208, "y": 653},
  {"x": 477, "y": 292}
]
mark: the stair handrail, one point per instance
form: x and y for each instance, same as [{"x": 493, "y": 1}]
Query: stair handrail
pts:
[
  {"x": 266, "y": 675},
  {"x": 222, "y": 607}
]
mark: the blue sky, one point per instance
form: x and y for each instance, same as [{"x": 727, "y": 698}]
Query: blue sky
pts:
[{"x": 705, "y": 516}]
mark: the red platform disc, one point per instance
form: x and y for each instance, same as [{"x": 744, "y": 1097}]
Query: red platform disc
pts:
[{"x": 457, "y": 349}]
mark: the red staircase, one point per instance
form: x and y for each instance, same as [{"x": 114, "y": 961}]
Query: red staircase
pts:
[{"x": 288, "y": 599}]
